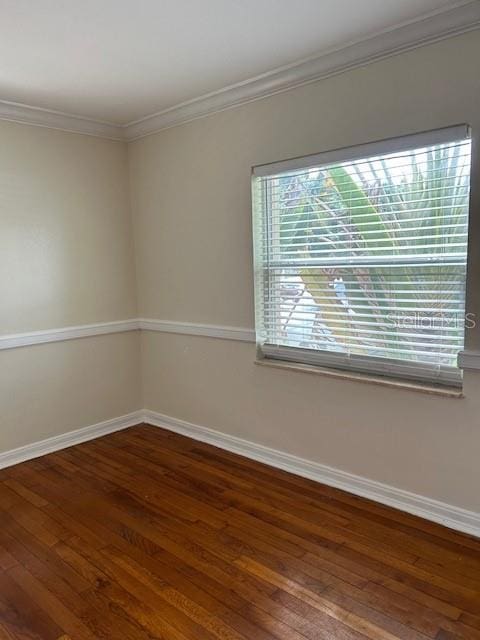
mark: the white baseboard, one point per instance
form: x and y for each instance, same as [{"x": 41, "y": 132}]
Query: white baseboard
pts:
[
  {"x": 55, "y": 443},
  {"x": 434, "y": 510},
  {"x": 439, "y": 512}
]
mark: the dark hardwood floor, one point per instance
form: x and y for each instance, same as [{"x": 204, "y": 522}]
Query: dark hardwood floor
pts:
[{"x": 144, "y": 534}]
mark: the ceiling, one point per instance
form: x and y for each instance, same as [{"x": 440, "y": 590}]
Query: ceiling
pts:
[{"x": 122, "y": 60}]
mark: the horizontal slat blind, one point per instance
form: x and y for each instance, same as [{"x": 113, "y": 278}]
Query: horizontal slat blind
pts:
[{"x": 362, "y": 264}]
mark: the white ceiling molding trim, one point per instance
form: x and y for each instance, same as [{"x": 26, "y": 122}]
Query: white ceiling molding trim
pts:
[
  {"x": 25, "y": 114},
  {"x": 450, "y": 22},
  {"x": 433, "y": 28}
]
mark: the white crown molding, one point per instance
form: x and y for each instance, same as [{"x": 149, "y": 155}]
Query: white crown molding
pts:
[
  {"x": 15, "y": 340},
  {"x": 422, "y": 506},
  {"x": 55, "y": 443},
  {"x": 447, "y": 23},
  {"x": 26, "y": 114},
  {"x": 191, "y": 329},
  {"x": 461, "y": 18},
  {"x": 469, "y": 360}
]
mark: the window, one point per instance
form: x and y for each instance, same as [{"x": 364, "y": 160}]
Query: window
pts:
[{"x": 360, "y": 256}]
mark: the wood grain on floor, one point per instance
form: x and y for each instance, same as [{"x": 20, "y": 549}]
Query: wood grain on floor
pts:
[{"x": 145, "y": 534}]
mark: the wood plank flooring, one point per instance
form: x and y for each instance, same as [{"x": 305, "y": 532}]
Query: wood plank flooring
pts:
[{"x": 144, "y": 534}]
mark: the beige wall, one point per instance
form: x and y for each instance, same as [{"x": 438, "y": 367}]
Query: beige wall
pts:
[
  {"x": 66, "y": 258},
  {"x": 191, "y": 207},
  {"x": 50, "y": 389},
  {"x": 66, "y": 252}
]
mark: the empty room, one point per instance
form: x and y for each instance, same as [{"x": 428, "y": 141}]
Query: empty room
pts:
[{"x": 239, "y": 320}]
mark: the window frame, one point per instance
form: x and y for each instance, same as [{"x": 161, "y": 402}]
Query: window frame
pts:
[{"x": 262, "y": 225}]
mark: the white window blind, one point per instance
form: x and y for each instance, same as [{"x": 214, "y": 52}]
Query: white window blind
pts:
[{"x": 361, "y": 253}]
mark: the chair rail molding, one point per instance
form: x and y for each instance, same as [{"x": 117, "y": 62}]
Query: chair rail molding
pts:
[
  {"x": 15, "y": 340},
  {"x": 469, "y": 360},
  {"x": 193, "y": 329}
]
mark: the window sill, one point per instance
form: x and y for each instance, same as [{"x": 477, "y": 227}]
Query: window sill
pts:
[{"x": 410, "y": 385}]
